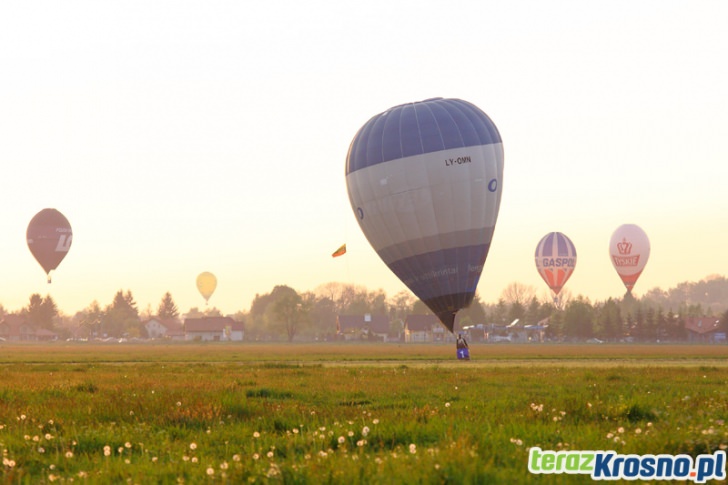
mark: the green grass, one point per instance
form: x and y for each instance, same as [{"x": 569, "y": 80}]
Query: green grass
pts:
[{"x": 349, "y": 413}]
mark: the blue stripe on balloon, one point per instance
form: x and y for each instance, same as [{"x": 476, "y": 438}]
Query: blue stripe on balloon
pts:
[
  {"x": 548, "y": 245},
  {"x": 428, "y": 277},
  {"x": 418, "y": 128}
]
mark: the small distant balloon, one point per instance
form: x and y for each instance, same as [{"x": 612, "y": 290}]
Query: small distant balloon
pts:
[
  {"x": 425, "y": 182},
  {"x": 49, "y": 238},
  {"x": 555, "y": 260},
  {"x": 629, "y": 250},
  {"x": 206, "y": 284}
]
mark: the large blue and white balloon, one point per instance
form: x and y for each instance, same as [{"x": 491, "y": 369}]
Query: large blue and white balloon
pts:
[{"x": 425, "y": 182}]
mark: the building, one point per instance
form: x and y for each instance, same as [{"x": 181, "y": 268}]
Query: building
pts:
[
  {"x": 704, "y": 329},
  {"x": 15, "y": 328},
  {"x": 421, "y": 328},
  {"x": 214, "y": 329},
  {"x": 167, "y": 328},
  {"x": 363, "y": 327}
]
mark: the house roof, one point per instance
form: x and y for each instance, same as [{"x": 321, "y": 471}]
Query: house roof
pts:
[
  {"x": 702, "y": 324},
  {"x": 420, "y": 323},
  {"x": 212, "y": 324},
  {"x": 375, "y": 323},
  {"x": 170, "y": 324},
  {"x": 18, "y": 324}
]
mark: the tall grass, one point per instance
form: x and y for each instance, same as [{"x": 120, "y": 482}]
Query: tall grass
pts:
[{"x": 317, "y": 414}]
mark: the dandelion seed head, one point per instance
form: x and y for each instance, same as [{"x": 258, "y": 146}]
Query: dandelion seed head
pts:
[
  {"x": 69, "y": 454},
  {"x": 193, "y": 446},
  {"x": 256, "y": 434},
  {"x": 365, "y": 431},
  {"x": 127, "y": 445},
  {"x": 107, "y": 450},
  {"x": 194, "y": 459},
  {"x": 210, "y": 471},
  {"x": 341, "y": 440},
  {"x": 412, "y": 448}
]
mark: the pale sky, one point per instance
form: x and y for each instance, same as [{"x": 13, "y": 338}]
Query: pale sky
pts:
[{"x": 179, "y": 137}]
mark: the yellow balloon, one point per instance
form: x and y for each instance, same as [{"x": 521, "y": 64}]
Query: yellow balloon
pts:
[{"x": 206, "y": 284}]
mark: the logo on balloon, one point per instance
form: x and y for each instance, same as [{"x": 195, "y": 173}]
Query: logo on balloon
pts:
[
  {"x": 625, "y": 248},
  {"x": 64, "y": 243}
]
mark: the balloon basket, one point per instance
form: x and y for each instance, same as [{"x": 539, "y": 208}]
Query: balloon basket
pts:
[{"x": 463, "y": 354}]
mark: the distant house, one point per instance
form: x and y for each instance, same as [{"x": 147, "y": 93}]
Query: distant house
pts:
[
  {"x": 164, "y": 328},
  {"x": 214, "y": 329},
  {"x": 363, "y": 327},
  {"x": 421, "y": 328},
  {"x": 15, "y": 328},
  {"x": 704, "y": 329}
]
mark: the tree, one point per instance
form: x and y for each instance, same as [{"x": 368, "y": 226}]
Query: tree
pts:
[
  {"x": 290, "y": 311},
  {"x": 609, "y": 321},
  {"x": 517, "y": 293},
  {"x": 400, "y": 305},
  {"x": 90, "y": 319},
  {"x": 475, "y": 312},
  {"x": 578, "y": 319},
  {"x": 121, "y": 318},
  {"x": 167, "y": 308},
  {"x": 724, "y": 322},
  {"x": 40, "y": 311}
]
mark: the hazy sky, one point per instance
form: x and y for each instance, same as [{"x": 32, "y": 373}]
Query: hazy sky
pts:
[{"x": 179, "y": 137}]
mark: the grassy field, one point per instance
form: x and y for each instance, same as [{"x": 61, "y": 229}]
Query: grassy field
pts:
[{"x": 346, "y": 413}]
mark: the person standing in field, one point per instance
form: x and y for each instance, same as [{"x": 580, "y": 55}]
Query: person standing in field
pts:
[{"x": 462, "y": 348}]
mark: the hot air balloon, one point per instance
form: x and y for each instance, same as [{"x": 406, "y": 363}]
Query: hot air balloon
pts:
[
  {"x": 629, "y": 250},
  {"x": 49, "y": 238},
  {"x": 425, "y": 181},
  {"x": 555, "y": 260},
  {"x": 206, "y": 284}
]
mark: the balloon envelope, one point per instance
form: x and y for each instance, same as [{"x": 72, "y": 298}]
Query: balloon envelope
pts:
[
  {"x": 206, "y": 284},
  {"x": 425, "y": 181},
  {"x": 49, "y": 238},
  {"x": 629, "y": 250},
  {"x": 555, "y": 260}
]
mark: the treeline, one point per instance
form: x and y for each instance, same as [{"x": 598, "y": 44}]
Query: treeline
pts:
[{"x": 285, "y": 314}]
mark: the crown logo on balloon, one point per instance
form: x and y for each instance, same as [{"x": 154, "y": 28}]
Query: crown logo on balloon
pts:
[{"x": 624, "y": 247}]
